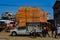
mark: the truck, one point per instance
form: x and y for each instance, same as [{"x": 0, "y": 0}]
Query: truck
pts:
[
  {"x": 32, "y": 19},
  {"x": 29, "y": 30}
]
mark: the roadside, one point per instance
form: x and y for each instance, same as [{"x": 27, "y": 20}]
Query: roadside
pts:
[{"x": 5, "y": 36}]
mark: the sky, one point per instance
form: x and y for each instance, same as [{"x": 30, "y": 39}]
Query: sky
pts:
[{"x": 14, "y": 5}]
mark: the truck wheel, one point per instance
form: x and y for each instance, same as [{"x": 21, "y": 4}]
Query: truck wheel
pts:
[
  {"x": 14, "y": 33},
  {"x": 34, "y": 35},
  {"x": 30, "y": 34}
]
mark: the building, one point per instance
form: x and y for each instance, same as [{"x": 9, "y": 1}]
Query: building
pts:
[
  {"x": 8, "y": 16},
  {"x": 56, "y": 9}
]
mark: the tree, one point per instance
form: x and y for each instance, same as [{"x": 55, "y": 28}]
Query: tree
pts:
[{"x": 7, "y": 16}]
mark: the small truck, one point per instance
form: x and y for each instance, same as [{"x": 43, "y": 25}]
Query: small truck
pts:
[{"x": 29, "y": 30}]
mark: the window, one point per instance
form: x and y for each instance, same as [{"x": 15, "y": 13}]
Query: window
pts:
[{"x": 19, "y": 28}]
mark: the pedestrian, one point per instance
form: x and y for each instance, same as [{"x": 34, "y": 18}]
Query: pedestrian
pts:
[
  {"x": 44, "y": 31},
  {"x": 11, "y": 26},
  {"x": 8, "y": 27},
  {"x": 55, "y": 32},
  {"x": 34, "y": 30},
  {"x": 52, "y": 31},
  {"x": 47, "y": 30}
]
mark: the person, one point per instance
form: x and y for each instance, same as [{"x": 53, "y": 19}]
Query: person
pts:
[
  {"x": 34, "y": 31},
  {"x": 47, "y": 28},
  {"x": 8, "y": 27},
  {"x": 17, "y": 24},
  {"x": 44, "y": 31},
  {"x": 52, "y": 31},
  {"x": 11, "y": 26},
  {"x": 55, "y": 32}
]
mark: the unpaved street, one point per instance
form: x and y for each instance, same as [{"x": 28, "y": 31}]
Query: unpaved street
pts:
[{"x": 5, "y": 36}]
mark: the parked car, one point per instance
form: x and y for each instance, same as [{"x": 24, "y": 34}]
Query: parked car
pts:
[{"x": 3, "y": 24}]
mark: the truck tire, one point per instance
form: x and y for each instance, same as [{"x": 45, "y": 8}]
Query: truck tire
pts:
[
  {"x": 14, "y": 34},
  {"x": 33, "y": 34},
  {"x": 30, "y": 34}
]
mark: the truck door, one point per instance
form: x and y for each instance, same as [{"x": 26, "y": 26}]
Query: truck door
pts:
[{"x": 21, "y": 31}]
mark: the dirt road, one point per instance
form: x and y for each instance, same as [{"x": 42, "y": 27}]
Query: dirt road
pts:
[{"x": 5, "y": 36}]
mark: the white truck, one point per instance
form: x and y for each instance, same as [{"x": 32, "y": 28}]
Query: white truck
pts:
[{"x": 26, "y": 31}]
